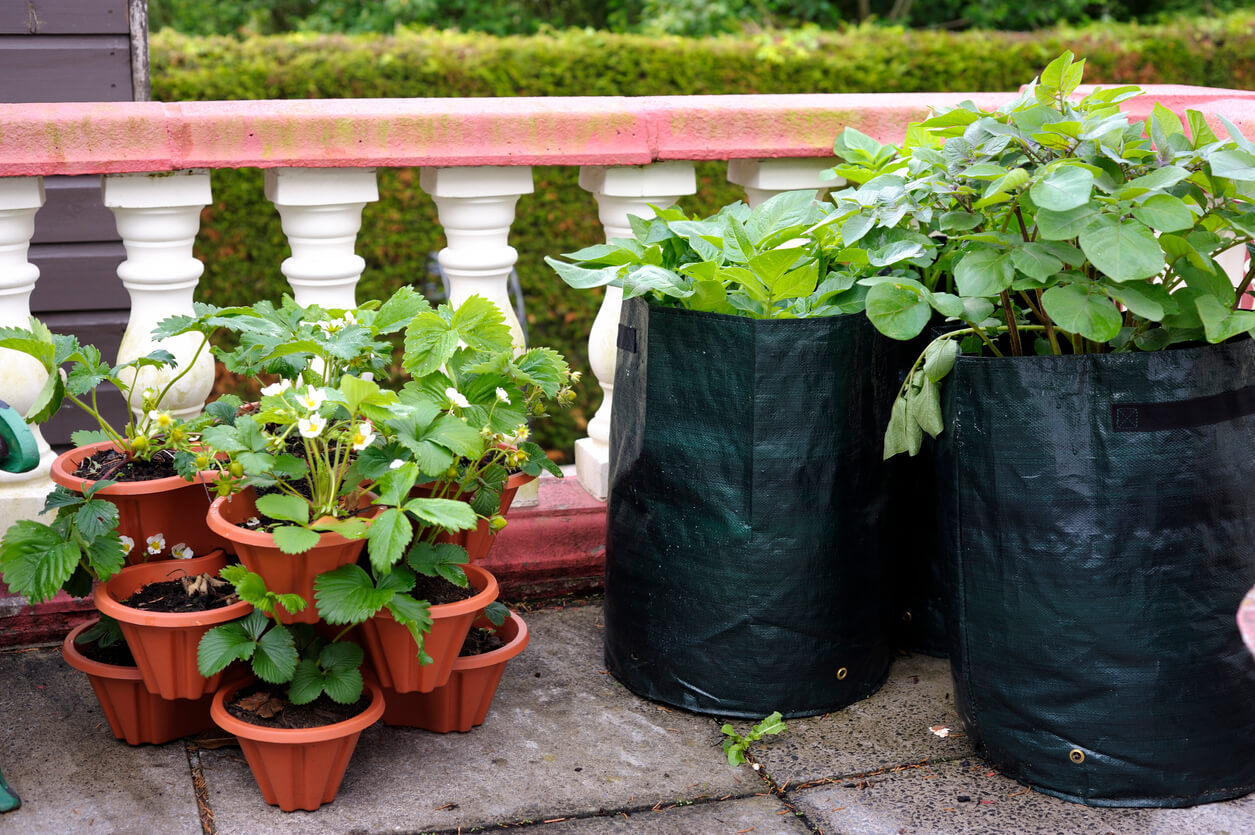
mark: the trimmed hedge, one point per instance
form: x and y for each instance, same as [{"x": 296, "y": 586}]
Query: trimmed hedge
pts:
[{"x": 242, "y": 244}]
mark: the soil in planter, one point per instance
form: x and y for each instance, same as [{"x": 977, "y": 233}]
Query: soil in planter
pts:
[
  {"x": 479, "y": 641},
  {"x": 437, "y": 590},
  {"x": 189, "y": 594},
  {"x": 266, "y": 706},
  {"x": 117, "y": 654},
  {"x": 116, "y": 466}
]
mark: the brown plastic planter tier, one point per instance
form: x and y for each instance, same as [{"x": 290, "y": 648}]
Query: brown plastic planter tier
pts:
[
  {"x": 164, "y": 643},
  {"x": 170, "y": 506},
  {"x": 134, "y": 714},
  {"x": 478, "y": 540},
  {"x": 463, "y": 703},
  {"x": 297, "y": 768},
  {"x": 283, "y": 573},
  {"x": 392, "y": 651}
]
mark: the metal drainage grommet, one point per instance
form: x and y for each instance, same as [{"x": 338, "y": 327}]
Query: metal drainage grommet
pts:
[
  {"x": 842, "y": 673},
  {"x": 1076, "y": 755}
]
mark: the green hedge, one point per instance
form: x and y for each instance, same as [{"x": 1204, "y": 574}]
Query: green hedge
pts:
[{"x": 242, "y": 244}]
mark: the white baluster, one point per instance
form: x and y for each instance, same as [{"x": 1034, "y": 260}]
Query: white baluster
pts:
[
  {"x": 620, "y": 191},
  {"x": 321, "y": 211},
  {"x": 476, "y": 208},
  {"x": 21, "y": 377},
  {"x": 764, "y": 178},
  {"x": 158, "y": 216},
  {"x": 1233, "y": 262}
]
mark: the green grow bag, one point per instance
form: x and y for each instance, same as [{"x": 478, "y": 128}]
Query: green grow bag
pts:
[
  {"x": 743, "y": 572},
  {"x": 1098, "y": 520}
]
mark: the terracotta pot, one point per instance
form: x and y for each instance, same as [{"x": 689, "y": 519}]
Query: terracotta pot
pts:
[
  {"x": 297, "y": 768},
  {"x": 393, "y": 653},
  {"x": 170, "y": 506},
  {"x": 164, "y": 643},
  {"x": 133, "y": 713},
  {"x": 462, "y": 703},
  {"x": 478, "y": 540},
  {"x": 283, "y": 573}
]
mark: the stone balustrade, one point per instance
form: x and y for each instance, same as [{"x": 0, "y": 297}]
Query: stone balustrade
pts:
[{"x": 156, "y": 162}]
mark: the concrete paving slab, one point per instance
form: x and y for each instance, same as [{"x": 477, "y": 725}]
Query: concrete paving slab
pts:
[
  {"x": 928, "y": 799},
  {"x": 73, "y": 776},
  {"x": 563, "y": 739},
  {"x": 758, "y": 815},
  {"x": 888, "y": 729}
]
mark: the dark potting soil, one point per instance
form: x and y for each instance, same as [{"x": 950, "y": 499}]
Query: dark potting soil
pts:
[
  {"x": 116, "y": 466},
  {"x": 191, "y": 594},
  {"x": 117, "y": 654},
  {"x": 437, "y": 590},
  {"x": 266, "y": 706},
  {"x": 479, "y": 641}
]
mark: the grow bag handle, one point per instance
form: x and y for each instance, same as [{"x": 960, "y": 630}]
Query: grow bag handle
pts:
[{"x": 18, "y": 452}]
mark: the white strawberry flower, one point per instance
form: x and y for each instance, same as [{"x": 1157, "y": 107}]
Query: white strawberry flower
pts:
[
  {"x": 334, "y": 326},
  {"x": 156, "y": 543},
  {"x": 502, "y": 396},
  {"x": 311, "y": 399},
  {"x": 276, "y": 388},
  {"x": 128, "y": 544},
  {"x": 161, "y": 419},
  {"x": 312, "y": 426},
  {"x": 396, "y": 464},
  {"x": 181, "y": 552},
  {"x": 363, "y": 436},
  {"x": 457, "y": 398}
]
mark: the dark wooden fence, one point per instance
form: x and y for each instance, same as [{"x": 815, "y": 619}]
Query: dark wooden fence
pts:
[{"x": 75, "y": 50}]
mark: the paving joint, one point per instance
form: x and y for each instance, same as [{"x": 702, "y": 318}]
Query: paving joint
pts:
[{"x": 199, "y": 787}]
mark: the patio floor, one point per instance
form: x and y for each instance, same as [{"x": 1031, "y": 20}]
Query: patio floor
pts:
[{"x": 565, "y": 749}]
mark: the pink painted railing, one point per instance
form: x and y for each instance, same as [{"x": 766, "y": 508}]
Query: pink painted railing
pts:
[{"x": 320, "y": 157}]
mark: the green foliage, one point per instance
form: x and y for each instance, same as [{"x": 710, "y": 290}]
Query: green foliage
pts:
[
  {"x": 1085, "y": 235},
  {"x": 80, "y": 547},
  {"x": 241, "y": 242},
  {"x": 156, "y": 430},
  {"x": 696, "y": 18},
  {"x": 784, "y": 259},
  {"x": 736, "y": 745},
  {"x": 297, "y": 656}
]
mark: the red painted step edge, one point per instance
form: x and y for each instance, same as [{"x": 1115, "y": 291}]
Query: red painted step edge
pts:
[{"x": 553, "y": 549}]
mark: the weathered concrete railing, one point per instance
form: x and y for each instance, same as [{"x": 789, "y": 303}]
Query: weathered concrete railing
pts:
[{"x": 320, "y": 155}]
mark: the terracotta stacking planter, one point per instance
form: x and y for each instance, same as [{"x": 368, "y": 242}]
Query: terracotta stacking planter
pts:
[
  {"x": 134, "y": 714},
  {"x": 391, "y": 649},
  {"x": 297, "y": 768},
  {"x": 283, "y": 573},
  {"x": 170, "y": 506},
  {"x": 478, "y": 540},
  {"x": 464, "y": 701},
  {"x": 164, "y": 643}
]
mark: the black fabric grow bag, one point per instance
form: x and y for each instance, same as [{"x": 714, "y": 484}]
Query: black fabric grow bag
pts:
[
  {"x": 743, "y": 572},
  {"x": 1098, "y": 515}
]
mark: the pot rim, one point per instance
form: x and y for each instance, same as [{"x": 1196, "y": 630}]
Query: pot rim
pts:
[
  {"x": 322, "y": 733},
  {"x": 63, "y": 465},
  {"x": 108, "y": 598},
  {"x": 500, "y": 655},
  {"x": 224, "y": 527},
  {"x": 76, "y": 659}
]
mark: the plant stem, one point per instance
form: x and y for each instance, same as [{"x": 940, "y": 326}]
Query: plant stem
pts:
[
  {"x": 1013, "y": 333},
  {"x": 1244, "y": 286},
  {"x": 1049, "y": 325},
  {"x": 104, "y": 426},
  {"x": 204, "y": 340}
]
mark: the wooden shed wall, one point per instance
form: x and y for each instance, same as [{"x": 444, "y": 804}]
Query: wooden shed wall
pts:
[{"x": 75, "y": 50}]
